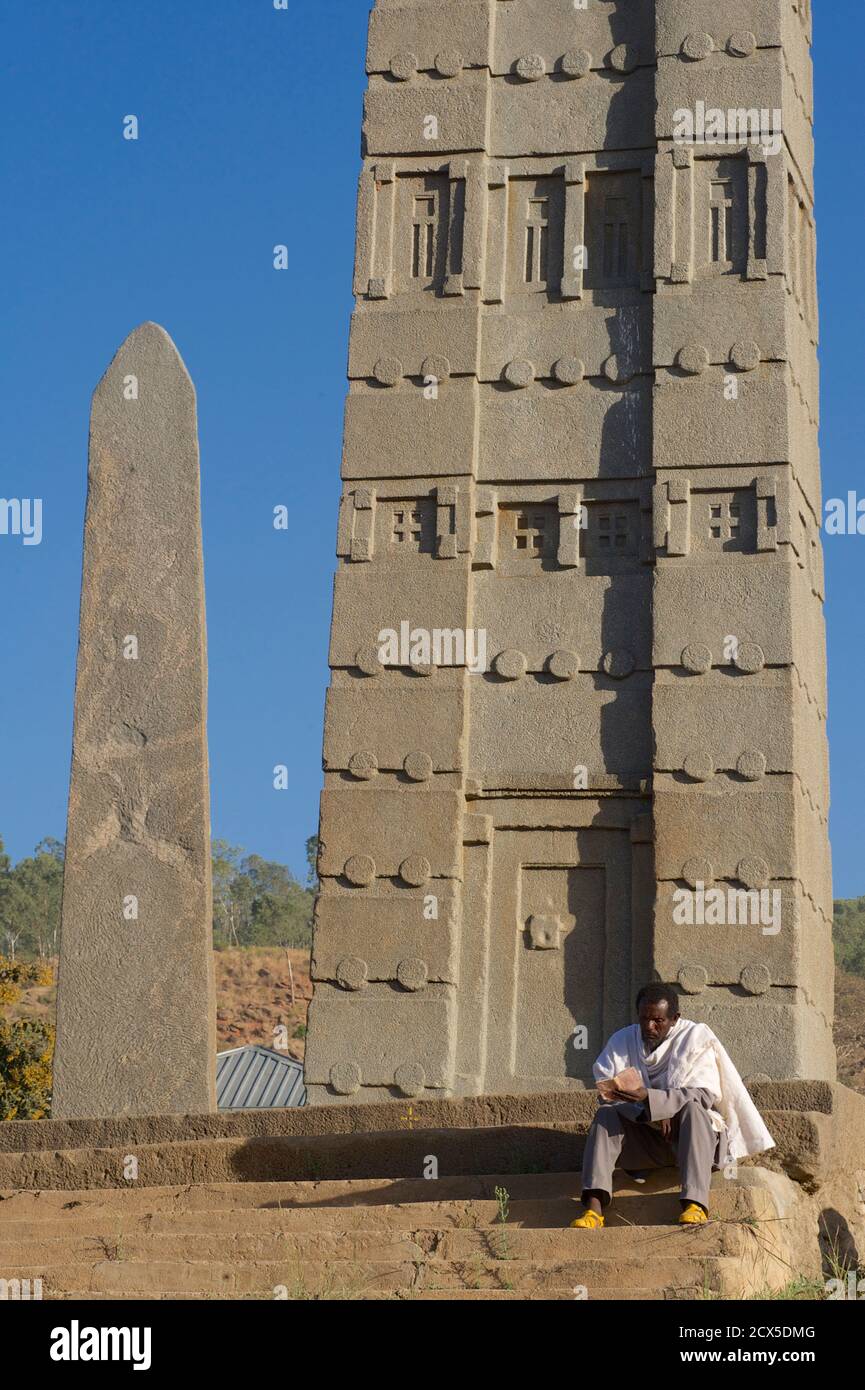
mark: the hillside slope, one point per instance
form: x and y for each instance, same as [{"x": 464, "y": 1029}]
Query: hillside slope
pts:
[{"x": 254, "y": 996}]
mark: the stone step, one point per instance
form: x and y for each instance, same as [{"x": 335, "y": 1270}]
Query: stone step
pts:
[
  {"x": 241, "y": 1195},
  {"x": 131, "y": 1279},
  {"x": 555, "y": 1214},
  {"x": 691, "y": 1274},
  {"x": 390, "y": 1239},
  {"x": 121, "y": 1247},
  {"x": 444, "y": 1249},
  {"x": 454, "y": 1112},
  {"x": 399, "y": 1154},
  {"x": 432, "y": 1216},
  {"x": 546, "y": 1295},
  {"x": 643, "y": 1242},
  {"x": 348, "y": 1279},
  {"x": 496, "y": 1241},
  {"x": 402, "y": 1295},
  {"x": 658, "y": 1196}
]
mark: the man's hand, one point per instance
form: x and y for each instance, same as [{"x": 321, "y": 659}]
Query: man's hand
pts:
[
  {"x": 627, "y": 1085},
  {"x": 639, "y": 1094}
]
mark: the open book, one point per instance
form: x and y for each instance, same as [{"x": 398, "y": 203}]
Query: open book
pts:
[{"x": 627, "y": 1080}]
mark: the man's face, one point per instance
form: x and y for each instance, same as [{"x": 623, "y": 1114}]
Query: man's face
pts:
[{"x": 655, "y": 1023}]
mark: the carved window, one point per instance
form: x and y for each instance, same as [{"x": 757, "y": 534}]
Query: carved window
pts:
[
  {"x": 424, "y": 237},
  {"x": 533, "y": 532},
  {"x": 724, "y": 520},
  {"x": 721, "y": 192},
  {"x": 617, "y": 233},
  {"x": 721, "y": 212},
  {"x": 422, "y": 215},
  {"x": 613, "y": 230},
  {"x": 413, "y": 526},
  {"x": 528, "y": 538},
  {"x": 536, "y": 230},
  {"x": 611, "y": 531},
  {"x": 537, "y": 241}
]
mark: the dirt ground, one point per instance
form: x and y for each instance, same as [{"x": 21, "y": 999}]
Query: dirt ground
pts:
[
  {"x": 254, "y": 995},
  {"x": 850, "y": 1029},
  {"x": 257, "y": 988}
]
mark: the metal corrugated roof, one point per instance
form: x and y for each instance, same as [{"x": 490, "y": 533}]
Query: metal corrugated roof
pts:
[{"x": 257, "y": 1078}]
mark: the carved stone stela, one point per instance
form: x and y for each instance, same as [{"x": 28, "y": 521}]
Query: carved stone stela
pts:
[
  {"x": 581, "y": 423},
  {"x": 136, "y": 1019}
]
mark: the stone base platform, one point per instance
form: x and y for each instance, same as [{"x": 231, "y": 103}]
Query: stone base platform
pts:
[{"x": 337, "y": 1202}]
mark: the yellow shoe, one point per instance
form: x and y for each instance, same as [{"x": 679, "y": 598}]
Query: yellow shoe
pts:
[
  {"x": 693, "y": 1215},
  {"x": 589, "y": 1221}
]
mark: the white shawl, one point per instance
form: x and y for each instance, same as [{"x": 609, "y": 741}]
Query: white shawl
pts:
[{"x": 692, "y": 1056}]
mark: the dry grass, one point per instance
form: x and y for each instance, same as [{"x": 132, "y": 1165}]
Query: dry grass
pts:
[
  {"x": 253, "y": 995},
  {"x": 850, "y": 1029}
]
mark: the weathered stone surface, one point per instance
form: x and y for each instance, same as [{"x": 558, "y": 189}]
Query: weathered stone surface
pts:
[
  {"x": 608, "y": 111},
  {"x": 413, "y": 336},
  {"x": 388, "y": 932},
  {"x": 529, "y": 735},
  {"x": 583, "y": 424},
  {"x": 397, "y": 115},
  {"x": 413, "y": 717},
  {"x": 770, "y": 711},
  {"x": 428, "y": 31},
  {"x": 770, "y": 942},
  {"x": 393, "y": 831},
  {"x": 592, "y": 336},
  {"x": 459, "y": 1113},
  {"x": 390, "y": 1031},
  {"x": 536, "y": 26},
  {"x": 726, "y": 83},
  {"x": 135, "y": 1015},
  {"x": 760, "y": 414},
  {"x": 403, "y": 435},
  {"x": 677, "y": 18},
  {"x": 222, "y": 1200}
]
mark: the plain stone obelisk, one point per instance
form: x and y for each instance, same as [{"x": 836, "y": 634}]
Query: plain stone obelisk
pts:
[{"x": 135, "y": 1009}]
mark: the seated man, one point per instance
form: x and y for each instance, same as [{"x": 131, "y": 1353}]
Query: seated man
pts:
[{"x": 691, "y": 1109}]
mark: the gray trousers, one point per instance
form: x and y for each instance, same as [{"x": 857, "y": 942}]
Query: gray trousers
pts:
[{"x": 619, "y": 1138}]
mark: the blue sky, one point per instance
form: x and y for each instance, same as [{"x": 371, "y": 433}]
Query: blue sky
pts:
[{"x": 250, "y": 136}]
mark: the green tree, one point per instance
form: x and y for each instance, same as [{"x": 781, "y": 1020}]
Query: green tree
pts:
[
  {"x": 8, "y": 934},
  {"x": 257, "y": 902},
  {"x": 26, "y": 1047},
  {"x": 229, "y": 908},
  {"x": 30, "y": 897},
  {"x": 312, "y": 863},
  {"x": 848, "y": 932},
  {"x": 36, "y": 897}
]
